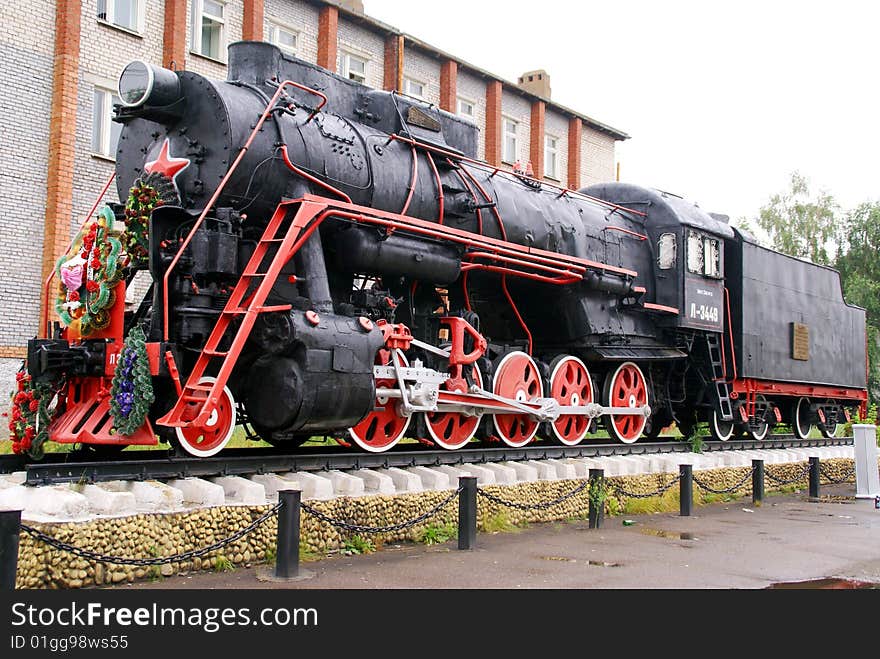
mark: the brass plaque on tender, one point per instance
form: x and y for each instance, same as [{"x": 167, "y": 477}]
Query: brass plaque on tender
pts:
[
  {"x": 800, "y": 342},
  {"x": 422, "y": 119}
]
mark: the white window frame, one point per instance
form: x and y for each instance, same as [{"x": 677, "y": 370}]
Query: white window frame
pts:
[
  {"x": 409, "y": 83},
  {"x": 274, "y": 28},
  {"x": 344, "y": 65},
  {"x": 551, "y": 157},
  {"x": 461, "y": 100},
  {"x": 198, "y": 12},
  {"x": 105, "y": 149},
  {"x": 505, "y": 133},
  {"x": 110, "y": 19}
]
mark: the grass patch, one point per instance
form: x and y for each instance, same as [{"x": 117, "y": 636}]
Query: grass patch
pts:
[
  {"x": 437, "y": 534},
  {"x": 666, "y": 503},
  {"x": 498, "y": 523},
  {"x": 357, "y": 545},
  {"x": 223, "y": 564}
]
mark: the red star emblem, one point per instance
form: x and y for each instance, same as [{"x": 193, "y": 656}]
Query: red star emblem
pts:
[{"x": 165, "y": 164}]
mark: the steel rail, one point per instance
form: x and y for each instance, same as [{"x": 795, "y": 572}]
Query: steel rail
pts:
[{"x": 147, "y": 465}]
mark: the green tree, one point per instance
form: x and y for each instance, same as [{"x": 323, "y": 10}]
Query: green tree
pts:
[
  {"x": 799, "y": 223},
  {"x": 859, "y": 266}
]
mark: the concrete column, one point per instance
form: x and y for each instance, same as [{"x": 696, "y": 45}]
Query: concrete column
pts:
[
  {"x": 493, "y": 122},
  {"x": 394, "y": 48},
  {"x": 449, "y": 85},
  {"x": 252, "y": 20},
  {"x": 536, "y": 145},
  {"x": 174, "y": 44},
  {"x": 575, "y": 134},
  {"x": 328, "y": 28},
  {"x": 62, "y": 135}
]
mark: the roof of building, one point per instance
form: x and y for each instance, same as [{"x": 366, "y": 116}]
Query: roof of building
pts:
[{"x": 391, "y": 30}]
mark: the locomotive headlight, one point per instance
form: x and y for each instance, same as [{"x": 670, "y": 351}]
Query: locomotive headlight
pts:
[{"x": 145, "y": 84}]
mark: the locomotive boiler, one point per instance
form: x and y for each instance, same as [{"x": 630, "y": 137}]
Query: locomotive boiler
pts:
[{"x": 328, "y": 259}]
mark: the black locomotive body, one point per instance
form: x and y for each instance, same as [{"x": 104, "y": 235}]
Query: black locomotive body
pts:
[{"x": 330, "y": 259}]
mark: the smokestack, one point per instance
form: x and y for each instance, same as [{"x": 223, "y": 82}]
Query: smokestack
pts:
[{"x": 536, "y": 82}]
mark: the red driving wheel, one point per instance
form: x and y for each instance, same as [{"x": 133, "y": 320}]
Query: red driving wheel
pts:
[
  {"x": 626, "y": 387},
  {"x": 517, "y": 377},
  {"x": 384, "y": 427},
  {"x": 208, "y": 440},
  {"x": 570, "y": 385},
  {"x": 451, "y": 430}
]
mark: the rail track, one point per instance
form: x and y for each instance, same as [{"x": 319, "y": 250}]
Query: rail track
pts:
[{"x": 147, "y": 465}]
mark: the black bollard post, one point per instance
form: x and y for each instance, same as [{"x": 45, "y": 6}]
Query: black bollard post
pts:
[
  {"x": 467, "y": 513},
  {"x": 287, "y": 551},
  {"x": 686, "y": 490},
  {"x": 597, "y": 508},
  {"x": 814, "y": 478},
  {"x": 757, "y": 481},
  {"x": 10, "y": 527}
]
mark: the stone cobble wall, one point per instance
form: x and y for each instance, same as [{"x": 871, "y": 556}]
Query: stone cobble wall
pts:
[{"x": 145, "y": 536}]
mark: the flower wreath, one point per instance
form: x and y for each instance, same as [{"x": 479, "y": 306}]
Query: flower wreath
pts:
[
  {"x": 89, "y": 275},
  {"x": 29, "y": 426},
  {"x": 147, "y": 194},
  {"x": 132, "y": 391}
]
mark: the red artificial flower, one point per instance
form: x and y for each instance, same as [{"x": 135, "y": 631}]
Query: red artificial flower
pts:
[
  {"x": 20, "y": 397},
  {"x": 16, "y": 448},
  {"x": 16, "y": 414},
  {"x": 19, "y": 376},
  {"x": 34, "y": 406},
  {"x": 96, "y": 263},
  {"x": 92, "y": 286},
  {"x": 74, "y": 296},
  {"x": 29, "y": 433},
  {"x": 25, "y": 444},
  {"x": 159, "y": 202}
]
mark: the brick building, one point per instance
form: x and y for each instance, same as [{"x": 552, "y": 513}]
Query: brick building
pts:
[{"x": 62, "y": 59}]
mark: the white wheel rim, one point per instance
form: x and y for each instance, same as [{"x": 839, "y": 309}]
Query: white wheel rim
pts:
[
  {"x": 212, "y": 421},
  {"x": 382, "y": 449},
  {"x": 720, "y": 435},
  {"x": 798, "y": 429},
  {"x": 440, "y": 441},
  {"x": 494, "y": 388},
  {"x": 632, "y": 403},
  {"x": 575, "y": 399}
]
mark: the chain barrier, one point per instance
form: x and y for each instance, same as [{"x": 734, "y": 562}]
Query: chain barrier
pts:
[
  {"x": 732, "y": 488},
  {"x": 143, "y": 562},
  {"x": 372, "y": 530},
  {"x": 835, "y": 481},
  {"x": 634, "y": 495},
  {"x": 782, "y": 481},
  {"x": 535, "y": 506}
]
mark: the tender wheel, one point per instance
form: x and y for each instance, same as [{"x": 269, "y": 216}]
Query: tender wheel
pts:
[
  {"x": 800, "y": 424},
  {"x": 384, "y": 427},
  {"x": 830, "y": 430},
  {"x": 759, "y": 432},
  {"x": 626, "y": 387},
  {"x": 453, "y": 431},
  {"x": 517, "y": 377},
  {"x": 570, "y": 385},
  {"x": 210, "y": 439},
  {"x": 721, "y": 430}
]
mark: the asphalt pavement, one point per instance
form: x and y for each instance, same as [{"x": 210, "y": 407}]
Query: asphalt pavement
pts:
[{"x": 789, "y": 540}]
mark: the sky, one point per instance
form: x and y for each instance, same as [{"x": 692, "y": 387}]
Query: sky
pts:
[{"x": 723, "y": 100}]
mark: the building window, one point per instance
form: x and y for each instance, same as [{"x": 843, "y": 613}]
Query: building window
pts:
[
  {"x": 352, "y": 67},
  {"x": 509, "y": 141},
  {"x": 209, "y": 33},
  {"x": 466, "y": 109},
  {"x": 285, "y": 38},
  {"x": 121, "y": 13},
  {"x": 105, "y": 131},
  {"x": 414, "y": 88},
  {"x": 551, "y": 157}
]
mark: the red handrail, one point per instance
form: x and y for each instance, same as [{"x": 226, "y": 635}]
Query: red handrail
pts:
[
  {"x": 270, "y": 107},
  {"x": 44, "y": 320}
]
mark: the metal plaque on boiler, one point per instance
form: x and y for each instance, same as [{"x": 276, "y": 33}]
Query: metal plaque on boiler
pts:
[{"x": 800, "y": 342}]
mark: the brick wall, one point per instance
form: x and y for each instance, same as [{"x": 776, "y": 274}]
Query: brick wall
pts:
[
  {"x": 597, "y": 164},
  {"x": 233, "y": 15},
  {"x": 300, "y": 16},
  {"x": 364, "y": 43},
  {"x": 556, "y": 124},
  {"x": 519, "y": 109},
  {"x": 424, "y": 69},
  {"x": 473, "y": 89}
]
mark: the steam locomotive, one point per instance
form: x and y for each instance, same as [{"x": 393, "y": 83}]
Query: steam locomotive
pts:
[{"x": 329, "y": 259}]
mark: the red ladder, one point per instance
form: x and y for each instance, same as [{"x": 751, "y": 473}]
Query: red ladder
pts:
[{"x": 197, "y": 401}]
